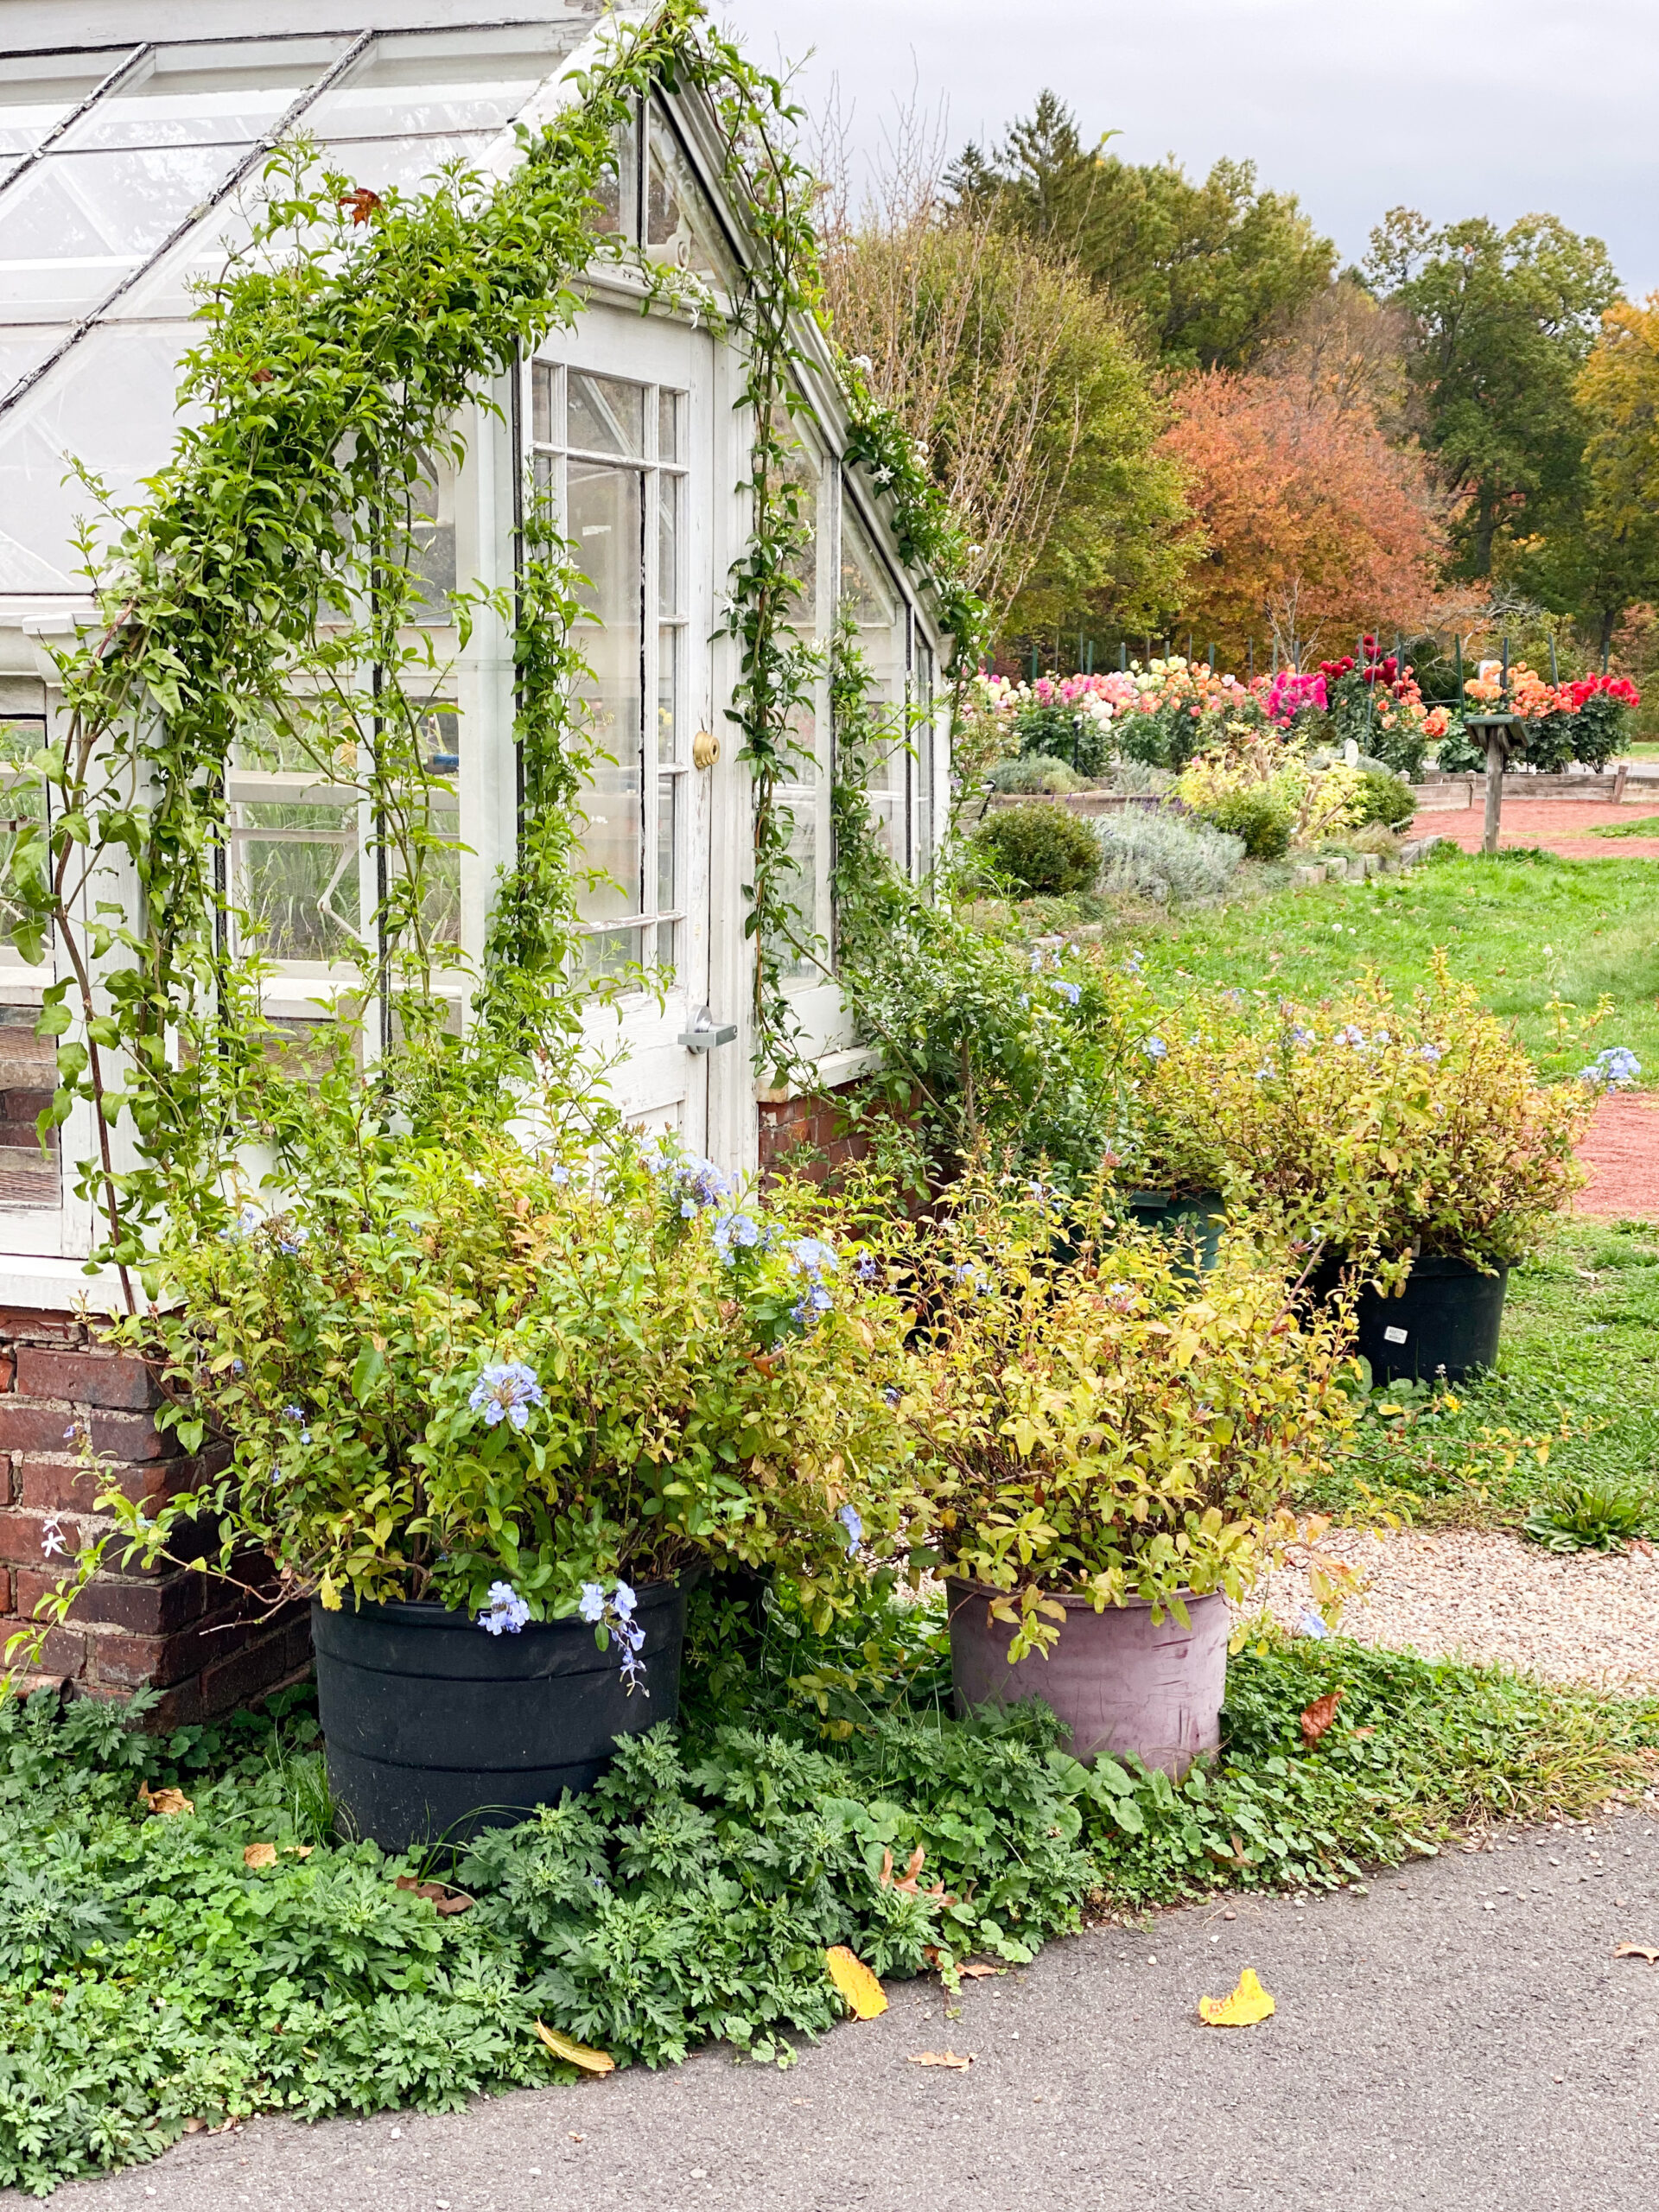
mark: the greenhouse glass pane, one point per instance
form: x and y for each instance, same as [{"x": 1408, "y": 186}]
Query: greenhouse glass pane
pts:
[
  {"x": 78, "y": 223},
  {"x": 215, "y": 94},
  {"x": 439, "y": 82},
  {"x": 39, "y": 90},
  {"x": 413, "y": 164},
  {"x": 22, "y": 349},
  {"x": 111, "y": 402}
]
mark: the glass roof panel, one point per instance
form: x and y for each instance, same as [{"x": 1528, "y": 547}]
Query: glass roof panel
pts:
[
  {"x": 78, "y": 223},
  {"x": 444, "y": 80},
  {"x": 24, "y": 348},
  {"x": 39, "y": 89},
  {"x": 206, "y": 93},
  {"x": 111, "y": 402}
]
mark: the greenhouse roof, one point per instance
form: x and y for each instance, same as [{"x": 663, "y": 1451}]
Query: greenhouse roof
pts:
[{"x": 128, "y": 173}]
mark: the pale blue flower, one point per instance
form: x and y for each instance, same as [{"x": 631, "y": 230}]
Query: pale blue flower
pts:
[
  {"x": 1069, "y": 992},
  {"x": 591, "y": 1605},
  {"x": 1310, "y": 1624},
  {"x": 293, "y": 1413},
  {"x": 811, "y": 1256},
  {"x": 1432, "y": 1053},
  {"x": 560, "y": 1176},
  {"x": 1154, "y": 1048},
  {"x": 506, "y": 1391},
  {"x": 1349, "y": 1035},
  {"x": 506, "y": 1612},
  {"x": 734, "y": 1231},
  {"x": 1300, "y": 1036},
  {"x": 868, "y": 1268},
  {"x": 849, "y": 1520},
  {"x": 1615, "y": 1068},
  {"x": 697, "y": 1183}
]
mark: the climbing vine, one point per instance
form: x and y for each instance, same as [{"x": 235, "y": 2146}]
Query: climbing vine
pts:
[{"x": 267, "y": 607}]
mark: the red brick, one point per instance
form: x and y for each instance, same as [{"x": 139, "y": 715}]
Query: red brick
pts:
[
  {"x": 26, "y": 1427},
  {"x": 8, "y": 1370},
  {"x": 63, "y": 1655},
  {"x": 150, "y": 1605},
  {"x": 58, "y": 1485},
  {"x": 112, "y": 1379},
  {"x": 246, "y": 1676},
  {"x": 127, "y": 1436},
  {"x": 20, "y": 1538}
]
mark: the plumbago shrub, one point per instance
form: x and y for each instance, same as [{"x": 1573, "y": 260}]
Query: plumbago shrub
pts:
[
  {"x": 1088, "y": 1420},
  {"x": 1372, "y": 1130},
  {"x": 498, "y": 1380}
]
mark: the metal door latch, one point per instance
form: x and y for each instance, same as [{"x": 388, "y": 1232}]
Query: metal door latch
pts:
[{"x": 702, "y": 1036}]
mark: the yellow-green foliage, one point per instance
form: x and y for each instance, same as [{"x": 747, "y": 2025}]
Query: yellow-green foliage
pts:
[{"x": 1103, "y": 1425}]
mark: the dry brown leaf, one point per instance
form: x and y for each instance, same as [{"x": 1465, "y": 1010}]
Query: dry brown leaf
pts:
[
  {"x": 439, "y": 1894},
  {"x": 909, "y": 1880},
  {"x": 1247, "y": 2004},
  {"x": 259, "y": 1854},
  {"x": 958, "y": 2063},
  {"x": 1636, "y": 1951},
  {"x": 855, "y": 1982},
  {"x": 1320, "y": 1715},
  {"x": 578, "y": 2054},
  {"x": 300, "y": 1850},
  {"x": 164, "y": 1801},
  {"x": 977, "y": 1968},
  {"x": 194, "y": 2126}
]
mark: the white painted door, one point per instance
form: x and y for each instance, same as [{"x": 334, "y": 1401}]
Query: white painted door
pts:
[{"x": 621, "y": 417}]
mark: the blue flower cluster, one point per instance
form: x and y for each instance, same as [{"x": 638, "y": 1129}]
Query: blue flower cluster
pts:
[
  {"x": 741, "y": 1232},
  {"x": 506, "y": 1612},
  {"x": 811, "y": 1257},
  {"x": 1154, "y": 1048},
  {"x": 1613, "y": 1070},
  {"x": 616, "y": 1613},
  {"x": 506, "y": 1391},
  {"x": 696, "y": 1184},
  {"x": 852, "y": 1522}
]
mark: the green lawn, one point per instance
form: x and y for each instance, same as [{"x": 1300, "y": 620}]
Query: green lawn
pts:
[
  {"x": 1522, "y": 929},
  {"x": 1579, "y": 1371}
]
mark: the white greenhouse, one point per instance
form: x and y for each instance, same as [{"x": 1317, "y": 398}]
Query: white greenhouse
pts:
[{"x": 134, "y": 135}]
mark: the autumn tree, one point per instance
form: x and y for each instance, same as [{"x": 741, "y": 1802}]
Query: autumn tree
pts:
[
  {"x": 1316, "y": 527},
  {"x": 1204, "y": 271},
  {"x": 1036, "y": 411},
  {"x": 1502, "y": 325}
]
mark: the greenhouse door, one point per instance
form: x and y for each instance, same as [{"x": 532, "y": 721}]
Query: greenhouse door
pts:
[{"x": 621, "y": 418}]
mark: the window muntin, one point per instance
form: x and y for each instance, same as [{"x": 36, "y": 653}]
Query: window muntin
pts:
[
  {"x": 867, "y": 591},
  {"x": 608, "y": 451}
]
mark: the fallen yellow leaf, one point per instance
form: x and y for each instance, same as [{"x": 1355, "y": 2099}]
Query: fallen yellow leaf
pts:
[
  {"x": 855, "y": 1982},
  {"x": 165, "y": 1801},
  {"x": 1636, "y": 1951},
  {"x": 259, "y": 1854},
  {"x": 579, "y": 2054},
  {"x": 942, "y": 2058},
  {"x": 1249, "y": 2002}
]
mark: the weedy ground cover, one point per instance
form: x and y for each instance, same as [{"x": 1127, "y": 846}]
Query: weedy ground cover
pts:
[{"x": 231, "y": 1956}]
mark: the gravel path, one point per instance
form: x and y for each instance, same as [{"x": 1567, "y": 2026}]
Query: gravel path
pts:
[
  {"x": 1622, "y": 1153},
  {"x": 1584, "y": 1618},
  {"x": 1460, "y": 2036}
]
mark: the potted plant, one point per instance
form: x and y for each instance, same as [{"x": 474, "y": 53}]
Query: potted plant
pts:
[
  {"x": 1409, "y": 1149},
  {"x": 487, "y": 1409},
  {"x": 1172, "y": 1167},
  {"x": 1103, "y": 1451}
]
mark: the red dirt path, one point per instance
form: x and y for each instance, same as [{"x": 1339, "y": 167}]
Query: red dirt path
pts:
[
  {"x": 1559, "y": 825},
  {"x": 1622, "y": 1153}
]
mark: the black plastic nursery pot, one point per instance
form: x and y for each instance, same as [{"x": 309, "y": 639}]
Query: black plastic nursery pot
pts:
[
  {"x": 434, "y": 1728},
  {"x": 1194, "y": 1223},
  {"x": 1445, "y": 1321}
]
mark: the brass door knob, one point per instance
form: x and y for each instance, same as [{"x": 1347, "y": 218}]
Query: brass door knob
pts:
[{"x": 705, "y": 749}]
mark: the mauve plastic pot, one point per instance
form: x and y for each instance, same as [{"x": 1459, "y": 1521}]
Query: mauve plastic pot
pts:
[
  {"x": 1119, "y": 1683},
  {"x": 1445, "y": 1321},
  {"x": 434, "y": 1728}
]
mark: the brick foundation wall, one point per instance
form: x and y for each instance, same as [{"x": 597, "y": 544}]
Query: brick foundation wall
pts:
[
  {"x": 204, "y": 1646},
  {"x": 788, "y": 1123}
]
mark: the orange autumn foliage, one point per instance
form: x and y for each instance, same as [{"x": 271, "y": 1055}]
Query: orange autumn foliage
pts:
[{"x": 1314, "y": 526}]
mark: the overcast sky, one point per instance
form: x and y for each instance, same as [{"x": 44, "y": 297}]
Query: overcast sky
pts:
[{"x": 1456, "y": 107}]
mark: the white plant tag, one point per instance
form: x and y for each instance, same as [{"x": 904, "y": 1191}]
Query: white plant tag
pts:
[{"x": 1394, "y": 1336}]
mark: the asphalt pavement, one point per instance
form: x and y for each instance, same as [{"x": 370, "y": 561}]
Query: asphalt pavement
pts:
[{"x": 1458, "y": 2036}]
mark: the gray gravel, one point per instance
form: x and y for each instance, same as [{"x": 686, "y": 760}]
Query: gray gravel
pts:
[{"x": 1460, "y": 2036}]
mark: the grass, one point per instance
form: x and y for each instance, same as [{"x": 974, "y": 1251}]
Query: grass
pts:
[
  {"x": 1645, "y": 825},
  {"x": 1525, "y": 929},
  {"x": 1574, "y": 1400}
]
